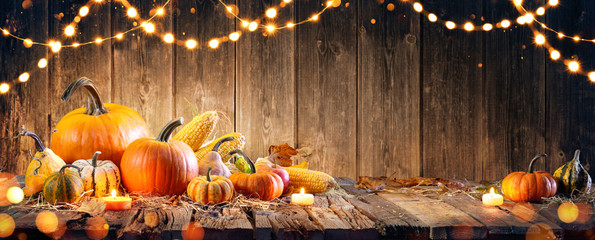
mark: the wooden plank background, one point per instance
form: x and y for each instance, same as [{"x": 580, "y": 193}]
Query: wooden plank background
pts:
[{"x": 372, "y": 90}]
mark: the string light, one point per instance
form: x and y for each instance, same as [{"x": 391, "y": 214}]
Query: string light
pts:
[
  {"x": 450, "y": 25},
  {"x": 42, "y": 63},
  {"x": 131, "y": 12},
  {"x": 592, "y": 76},
  {"x": 245, "y": 23},
  {"x": 252, "y": 27},
  {"x": 271, "y": 13},
  {"x": 555, "y": 55},
  {"x": 487, "y": 27},
  {"x": 119, "y": 36},
  {"x": 286, "y": 1},
  {"x": 5, "y": 32},
  {"x": 573, "y": 66},
  {"x": 270, "y": 28},
  {"x": 529, "y": 18},
  {"x": 314, "y": 17},
  {"x": 24, "y": 77},
  {"x": 234, "y": 36},
  {"x": 521, "y": 20},
  {"x": 55, "y": 46},
  {"x": 160, "y": 12},
  {"x": 518, "y": 2},
  {"x": 469, "y": 26},
  {"x": 75, "y": 45},
  {"x": 539, "y": 39},
  {"x": 149, "y": 27},
  {"x": 214, "y": 43},
  {"x": 84, "y": 11},
  {"x": 168, "y": 38},
  {"x": 28, "y": 43},
  {"x": 418, "y": 7},
  {"x": 540, "y": 11},
  {"x": 69, "y": 30},
  {"x": 191, "y": 44},
  {"x": 432, "y": 17},
  {"x": 4, "y": 87},
  {"x": 553, "y": 2},
  {"x": 98, "y": 40},
  {"x": 505, "y": 23},
  {"x": 290, "y": 25}
]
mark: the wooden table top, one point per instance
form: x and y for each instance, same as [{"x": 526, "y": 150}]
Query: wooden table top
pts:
[{"x": 356, "y": 215}]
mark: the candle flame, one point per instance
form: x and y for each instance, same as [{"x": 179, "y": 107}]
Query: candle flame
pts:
[
  {"x": 302, "y": 191},
  {"x": 492, "y": 190},
  {"x": 114, "y": 193}
]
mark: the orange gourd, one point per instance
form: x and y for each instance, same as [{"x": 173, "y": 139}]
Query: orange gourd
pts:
[
  {"x": 210, "y": 189},
  {"x": 529, "y": 186},
  {"x": 159, "y": 166},
  {"x": 263, "y": 185},
  {"x": 44, "y": 163},
  {"x": 108, "y": 127}
]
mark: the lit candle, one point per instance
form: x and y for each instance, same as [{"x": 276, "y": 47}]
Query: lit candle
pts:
[
  {"x": 492, "y": 198},
  {"x": 302, "y": 198},
  {"x": 115, "y": 203}
]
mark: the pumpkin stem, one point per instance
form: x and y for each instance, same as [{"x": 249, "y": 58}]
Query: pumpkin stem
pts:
[
  {"x": 168, "y": 129},
  {"x": 97, "y": 107},
  {"x": 533, "y": 161},
  {"x": 94, "y": 159},
  {"x": 36, "y": 171},
  {"x": 250, "y": 163},
  {"x": 577, "y": 153},
  {"x": 218, "y": 144},
  {"x": 209, "y": 174},
  {"x": 38, "y": 142},
  {"x": 70, "y": 165}
]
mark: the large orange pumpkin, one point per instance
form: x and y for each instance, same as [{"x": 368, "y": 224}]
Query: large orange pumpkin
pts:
[
  {"x": 108, "y": 127},
  {"x": 158, "y": 166},
  {"x": 263, "y": 185},
  {"x": 529, "y": 186}
]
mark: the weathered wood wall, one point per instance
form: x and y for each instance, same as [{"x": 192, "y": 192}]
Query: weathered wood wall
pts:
[{"x": 372, "y": 91}]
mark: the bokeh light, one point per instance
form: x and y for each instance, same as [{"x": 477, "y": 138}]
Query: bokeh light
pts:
[
  {"x": 523, "y": 212},
  {"x": 15, "y": 195},
  {"x": 7, "y": 181},
  {"x": 585, "y": 212},
  {"x": 96, "y": 228},
  {"x": 6, "y": 225},
  {"x": 46, "y": 222},
  {"x": 193, "y": 230},
  {"x": 568, "y": 212},
  {"x": 540, "y": 231}
]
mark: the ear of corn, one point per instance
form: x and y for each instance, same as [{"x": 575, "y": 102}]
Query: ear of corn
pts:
[
  {"x": 197, "y": 131},
  {"x": 312, "y": 181},
  {"x": 304, "y": 164},
  {"x": 237, "y": 143}
]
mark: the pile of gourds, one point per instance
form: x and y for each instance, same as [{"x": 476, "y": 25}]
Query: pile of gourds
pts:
[
  {"x": 119, "y": 136},
  {"x": 532, "y": 186}
]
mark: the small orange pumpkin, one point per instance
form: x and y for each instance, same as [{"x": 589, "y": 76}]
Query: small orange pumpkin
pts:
[
  {"x": 108, "y": 128},
  {"x": 529, "y": 186},
  {"x": 210, "y": 190},
  {"x": 159, "y": 166},
  {"x": 263, "y": 185}
]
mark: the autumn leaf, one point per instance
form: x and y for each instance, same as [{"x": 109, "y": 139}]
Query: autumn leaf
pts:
[{"x": 282, "y": 154}]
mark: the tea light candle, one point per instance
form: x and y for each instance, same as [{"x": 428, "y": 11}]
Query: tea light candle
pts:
[
  {"x": 302, "y": 198},
  {"x": 115, "y": 203},
  {"x": 492, "y": 198}
]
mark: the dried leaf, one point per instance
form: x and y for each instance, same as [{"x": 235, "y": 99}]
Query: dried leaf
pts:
[
  {"x": 92, "y": 206},
  {"x": 384, "y": 183},
  {"x": 282, "y": 154}
]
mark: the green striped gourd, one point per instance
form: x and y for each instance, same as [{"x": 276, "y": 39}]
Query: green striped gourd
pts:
[
  {"x": 99, "y": 177},
  {"x": 572, "y": 176},
  {"x": 63, "y": 186}
]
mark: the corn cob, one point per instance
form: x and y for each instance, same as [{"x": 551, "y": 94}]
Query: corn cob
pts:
[
  {"x": 225, "y": 148},
  {"x": 197, "y": 131},
  {"x": 312, "y": 181}
]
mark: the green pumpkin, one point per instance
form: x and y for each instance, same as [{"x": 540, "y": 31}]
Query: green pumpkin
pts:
[
  {"x": 572, "y": 176},
  {"x": 63, "y": 186}
]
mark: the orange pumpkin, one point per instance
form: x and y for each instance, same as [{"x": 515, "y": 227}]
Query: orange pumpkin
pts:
[
  {"x": 263, "y": 185},
  {"x": 108, "y": 127},
  {"x": 529, "y": 186},
  {"x": 210, "y": 190},
  {"x": 158, "y": 166}
]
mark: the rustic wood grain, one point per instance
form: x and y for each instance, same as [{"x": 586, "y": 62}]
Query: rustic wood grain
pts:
[
  {"x": 327, "y": 87},
  {"x": 91, "y": 61},
  {"x": 205, "y": 76},
  {"x": 361, "y": 227},
  {"x": 265, "y": 92},
  {"x": 500, "y": 224},
  {"x": 513, "y": 95},
  {"x": 262, "y": 227},
  {"x": 541, "y": 228},
  {"x": 581, "y": 228},
  {"x": 452, "y": 93},
  {"x": 26, "y": 104},
  {"x": 142, "y": 67},
  {"x": 292, "y": 222},
  {"x": 170, "y": 223},
  {"x": 228, "y": 223},
  {"x": 389, "y": 90},
  {"x": 445, "y": 221},
  {"x": 570, "y": 97}
]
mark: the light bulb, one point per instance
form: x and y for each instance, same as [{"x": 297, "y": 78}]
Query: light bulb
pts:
[
  {"x": 487, "y": 27},
  {"x": 234, "y": 36},
  {"x": 84, "y": 11},
  {"x": 290, "y": 25},
  {"x": 75, "y": 45},
  {"x": 450, "y": 25},
  {"x": 592, "y": 76},
  {"x": 271, "y": 13},
  {"x": 42, "y": 63},
  {"x": 432, "y": 17},
  {"x": 24, "y": 77},
  {"x": 469, "y": 26},
  {"x": 553, "y": 2},
  {"x": 131, "y": 12},
  {"x": 149, "y": 27},
  {"x": 252, "y": 27},
  {"x": 5, "y": 32},
  {"x": 28, "y": 43},
  {"x": 55, "y": 46},
  {"x": 119, "y": 36},
  {"x": 314, "y": 18},
  {"x": 98, "y": 40},
  {"x": 270, "y": 28},
  {"x": 69, "y": 31},
  {"x": 573, "y": 66},
  {"x": 505, "y": 23},
  {"x": 160, "y": 12},
  {"x": 214, "y": 43},
  {"x": 4, "y": 87},
  {"x": 418, "y": 7},
  {"x": 168, "y": 38},
  {"x": 539, "y": 39},
  {"x": 555, "y": 55},
  {"x": 191, "y": 44},
  {"x": 540, "y": 11}
]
